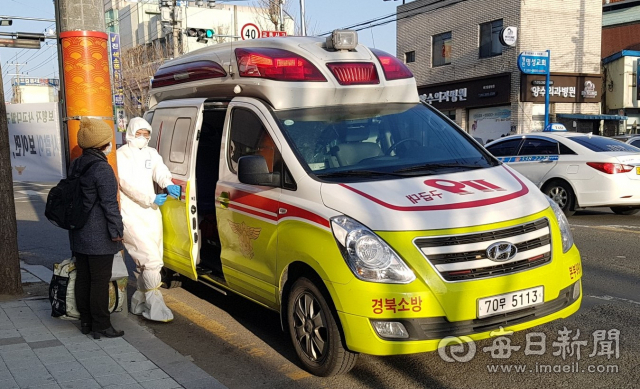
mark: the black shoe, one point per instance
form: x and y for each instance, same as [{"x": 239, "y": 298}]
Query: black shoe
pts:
[
  {"x": 109, "y": 333},
  {"x": 85, "y": 328}
]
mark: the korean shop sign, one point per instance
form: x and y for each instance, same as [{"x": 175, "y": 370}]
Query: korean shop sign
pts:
[
  {"x": 473, "y": 92},
  {"x": 564, "y": 88}
]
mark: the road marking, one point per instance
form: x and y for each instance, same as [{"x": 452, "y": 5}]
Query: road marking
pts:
[
  {"x": 611, "y": 298},
  {"x": 230, "y": 337},
  {"x": 611, "y": 227}
]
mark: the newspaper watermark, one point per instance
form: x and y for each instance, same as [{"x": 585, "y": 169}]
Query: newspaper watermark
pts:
[{"x": 569, "y": 344}]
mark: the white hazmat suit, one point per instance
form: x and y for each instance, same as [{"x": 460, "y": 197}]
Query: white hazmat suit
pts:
[{"x": 138, "y": 168}]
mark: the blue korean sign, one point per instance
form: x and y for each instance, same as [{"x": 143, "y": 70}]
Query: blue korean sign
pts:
[
  {"x": 533, "y": 62},
  {"x": 116, "y": 66}
]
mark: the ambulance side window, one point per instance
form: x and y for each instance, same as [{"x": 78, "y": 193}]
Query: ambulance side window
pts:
[
  {"x": 179, "y": 140},
  {"x": 248, "y": 136}
]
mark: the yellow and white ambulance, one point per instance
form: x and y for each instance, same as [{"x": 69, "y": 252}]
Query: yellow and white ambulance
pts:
[{"x": 315, "y": 183}]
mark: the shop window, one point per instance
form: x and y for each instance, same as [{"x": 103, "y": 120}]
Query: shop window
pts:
[
  {"x": 441, "y": 46},
  {"x": 410, "y": 56},
  {"x": 490, "y": 45},
  {"x": 451, "y": 114}
]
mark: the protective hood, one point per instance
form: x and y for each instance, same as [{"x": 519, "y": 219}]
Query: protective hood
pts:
[
  {"x": 470, "y": 198},
  {"x": 136, "y": 124}
]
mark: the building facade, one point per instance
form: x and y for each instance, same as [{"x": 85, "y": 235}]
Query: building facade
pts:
[
  {"x": 463, "y": 68},
  {"x": 620, "y": 26},
  {"x": 35, "y": 90}
]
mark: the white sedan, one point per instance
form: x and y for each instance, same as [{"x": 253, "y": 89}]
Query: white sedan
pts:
[{"x": 576, "y": 170}]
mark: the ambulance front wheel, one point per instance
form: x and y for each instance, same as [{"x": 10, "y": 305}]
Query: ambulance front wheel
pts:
[
  {"x": 169, "y": 278},
  {"x": 314, "y": 332}
]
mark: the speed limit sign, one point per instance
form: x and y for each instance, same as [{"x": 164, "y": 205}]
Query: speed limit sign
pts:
[{"x": 250, "y": 31}]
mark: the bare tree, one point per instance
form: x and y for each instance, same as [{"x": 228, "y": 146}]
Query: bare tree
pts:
[
  {"x": 269, "y": 13},
  {"x": 10, "y": 279},
  {"x": 221, "y": 30},
  {"x": 139, "y": 64}
]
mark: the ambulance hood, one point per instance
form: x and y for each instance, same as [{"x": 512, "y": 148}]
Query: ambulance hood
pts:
[{"x": 462, "y": 199}]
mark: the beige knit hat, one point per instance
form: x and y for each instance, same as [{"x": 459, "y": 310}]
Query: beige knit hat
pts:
[{"x": 93, "y": 133}]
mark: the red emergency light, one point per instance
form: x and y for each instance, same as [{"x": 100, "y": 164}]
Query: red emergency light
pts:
[
  {"x": 187, "y": 72},
  {"x": 354, "y": 73},
  {"x": 276, "y": 64},
  {"x": 393, "y": 68}
]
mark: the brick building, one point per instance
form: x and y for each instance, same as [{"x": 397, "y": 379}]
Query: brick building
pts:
[
  {"x": 620, "y": 26},
  {"x": 463, "y": 69}
]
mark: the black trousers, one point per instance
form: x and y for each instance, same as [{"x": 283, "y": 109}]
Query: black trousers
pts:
[{"x": 93, "y": 273}]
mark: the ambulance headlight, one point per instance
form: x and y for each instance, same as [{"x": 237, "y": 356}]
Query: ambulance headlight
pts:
[
  {"x": 342, "y": 40},
  {"x": 368, "y": 256},
  {"x": 563, "y": 223}
]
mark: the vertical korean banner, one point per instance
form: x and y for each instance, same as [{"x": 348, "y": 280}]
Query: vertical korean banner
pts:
[
  {"x": 34, "y": 142},
  {"x": 118, "y": 90}
]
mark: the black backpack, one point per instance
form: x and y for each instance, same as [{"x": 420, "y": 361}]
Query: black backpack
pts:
[{"x": 65, "y": 202}]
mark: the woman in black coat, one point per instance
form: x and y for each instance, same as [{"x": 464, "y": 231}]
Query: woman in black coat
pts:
[{"x": 95, "y": 244}]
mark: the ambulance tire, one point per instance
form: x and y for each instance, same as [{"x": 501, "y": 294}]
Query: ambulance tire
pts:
[
  {"x": 625, "y": 210},
  {"x": 315, "y": 333},
  {"x": 170, "y": 279},
  {"x": 560, "y": 192}
]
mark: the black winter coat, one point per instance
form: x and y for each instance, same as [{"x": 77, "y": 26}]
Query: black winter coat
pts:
[{"x": 100, "y": 192}]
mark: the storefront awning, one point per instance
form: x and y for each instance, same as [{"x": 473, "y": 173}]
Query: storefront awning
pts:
[{"x": 578, "y": 116}]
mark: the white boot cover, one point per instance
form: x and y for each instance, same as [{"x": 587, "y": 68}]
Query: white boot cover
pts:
[
  {"x": 156, "y": 309},
  {"x": 138, "y": 300}
]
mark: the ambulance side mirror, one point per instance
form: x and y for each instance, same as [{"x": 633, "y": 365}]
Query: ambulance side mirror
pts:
[{"x": 253, "y": 170}]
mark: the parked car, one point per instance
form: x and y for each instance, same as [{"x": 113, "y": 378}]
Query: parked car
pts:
[
  {"x": 632, "y": 139},
  {"x": 576, "y": 170}
]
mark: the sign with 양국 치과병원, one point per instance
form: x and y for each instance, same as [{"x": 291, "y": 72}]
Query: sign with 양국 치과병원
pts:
[{"x": 35, "y": 146}]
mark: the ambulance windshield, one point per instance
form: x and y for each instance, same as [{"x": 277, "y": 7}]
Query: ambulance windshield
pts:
[{"x": 379, "y": 140}]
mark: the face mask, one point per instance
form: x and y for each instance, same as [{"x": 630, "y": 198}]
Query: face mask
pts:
[
  {"x": 140, "y": 142},
  {"x": 108, "y": 149}
]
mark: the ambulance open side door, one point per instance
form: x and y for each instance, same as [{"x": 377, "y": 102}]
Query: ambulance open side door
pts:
[{"x": 175, "y": 135}]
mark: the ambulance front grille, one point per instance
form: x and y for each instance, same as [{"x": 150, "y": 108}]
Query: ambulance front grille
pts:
[{"x": 464, "y": 257}]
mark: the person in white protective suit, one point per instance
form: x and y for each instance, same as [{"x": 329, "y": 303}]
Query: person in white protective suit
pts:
[{"x": 138, "y": 167}]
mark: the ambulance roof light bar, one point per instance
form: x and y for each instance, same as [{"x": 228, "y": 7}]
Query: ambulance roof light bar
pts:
[
  {"x": 276, "y": 64},
  {"x": 393, "y": 68},
  {"x": 342, "y": 40}
]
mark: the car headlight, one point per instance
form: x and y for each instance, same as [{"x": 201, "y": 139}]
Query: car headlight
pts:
[
  {"x": 563, "y": 223},
  {"x": 369, "y": 257}
]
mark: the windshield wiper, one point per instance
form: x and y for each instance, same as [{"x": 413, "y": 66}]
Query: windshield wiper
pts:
[
  {"x": 433, "y": 166},
  {"x": 357, "y": 173}
]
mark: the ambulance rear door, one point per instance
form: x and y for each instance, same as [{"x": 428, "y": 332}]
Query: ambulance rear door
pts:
[{"x": 175, "y": 135}]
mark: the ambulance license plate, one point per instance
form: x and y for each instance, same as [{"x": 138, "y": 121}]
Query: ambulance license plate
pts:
[
  {"x": 638, "y": 170},
  {"x": 508, "y": 302}
]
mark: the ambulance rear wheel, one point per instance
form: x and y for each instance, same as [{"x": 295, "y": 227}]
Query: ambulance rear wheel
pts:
[
  {"x": 314, "y": 332},
  {"x": 170, "y": 279}
]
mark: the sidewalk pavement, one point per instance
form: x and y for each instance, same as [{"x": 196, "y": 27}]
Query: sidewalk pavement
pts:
[{"x": 40, "y": 351}]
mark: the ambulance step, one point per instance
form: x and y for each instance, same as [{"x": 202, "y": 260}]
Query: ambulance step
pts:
[{"x": 210, "y": 285}]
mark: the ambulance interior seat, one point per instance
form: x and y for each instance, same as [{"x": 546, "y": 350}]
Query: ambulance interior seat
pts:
[
  {"x": 207, "y": 172},
  {"x": 354, "y": 147}
]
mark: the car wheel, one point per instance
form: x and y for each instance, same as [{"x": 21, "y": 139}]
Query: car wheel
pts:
[
  {"x": 315, "y": 333},
  {"x": 625, "y": 210},
  {"x": 169, "y": 278},
  {"x": 562, "y": 194}
]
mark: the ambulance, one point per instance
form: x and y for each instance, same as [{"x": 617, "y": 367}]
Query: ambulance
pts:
[{"x": 317, "y": 184}]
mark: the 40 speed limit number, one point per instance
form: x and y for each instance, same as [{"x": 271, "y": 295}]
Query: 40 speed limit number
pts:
[{"x": 250, "y": 31}]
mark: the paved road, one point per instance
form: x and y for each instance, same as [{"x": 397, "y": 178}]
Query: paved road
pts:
[{"x": 241, "y": 344}]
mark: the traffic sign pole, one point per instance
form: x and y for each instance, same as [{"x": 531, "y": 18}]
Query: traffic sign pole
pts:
[{"x": 547, "y": 92}]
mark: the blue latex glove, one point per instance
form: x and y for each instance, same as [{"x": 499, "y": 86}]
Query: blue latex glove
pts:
[
  {"x": 160, "y": 199},
  {"x": 174, "y": 191}
]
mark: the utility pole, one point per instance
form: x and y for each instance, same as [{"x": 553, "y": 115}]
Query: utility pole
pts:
[
  {"x": 281, "y": 6},
  {"x": 10, "y": 279},
  {"x": 17, "y": 97},
  {"x": 303, "y": 22},
  {"x": 87, "y": 81}
]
